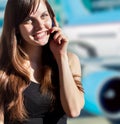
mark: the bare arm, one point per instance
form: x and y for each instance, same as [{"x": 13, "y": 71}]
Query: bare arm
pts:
[
  {"x": 1, "y": 122},
  {"x": 72, "y": 98},
  {"x": 1, "y": 116}
]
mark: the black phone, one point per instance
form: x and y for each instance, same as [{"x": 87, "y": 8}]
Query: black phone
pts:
[{"x": 52, "y": 34}]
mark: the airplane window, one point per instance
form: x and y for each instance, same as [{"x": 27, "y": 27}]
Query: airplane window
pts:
[{"x": 101, "y": 5}]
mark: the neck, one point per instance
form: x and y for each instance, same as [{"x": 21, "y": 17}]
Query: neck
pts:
[
  {"x": 33, "y": 53},
  {"x": 34, "y": 62}
]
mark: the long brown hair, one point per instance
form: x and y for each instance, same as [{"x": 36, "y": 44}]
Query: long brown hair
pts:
[{"x": 14, "y": 75}]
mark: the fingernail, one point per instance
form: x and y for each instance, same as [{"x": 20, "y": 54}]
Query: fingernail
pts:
[{"x": 51, "y": 30}]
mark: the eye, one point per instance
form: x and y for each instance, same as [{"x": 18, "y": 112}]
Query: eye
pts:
[
  {"x": 28, "y": 20},
  {"x": 44, "y": 15}
]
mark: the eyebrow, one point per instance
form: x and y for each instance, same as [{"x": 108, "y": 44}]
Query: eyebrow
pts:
[
  {"x": 45, "y": 12},
  {"x": 40, "y": 13},
  {"x": 30, "y": 17}
]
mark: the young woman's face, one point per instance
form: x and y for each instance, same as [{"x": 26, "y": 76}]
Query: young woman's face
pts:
[{"x": 35, "y": 28}]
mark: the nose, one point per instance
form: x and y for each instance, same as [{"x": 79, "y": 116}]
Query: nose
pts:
[{"x": 39, "y": 24}]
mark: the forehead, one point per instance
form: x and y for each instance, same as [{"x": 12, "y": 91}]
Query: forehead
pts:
[{"x": 39, "y": 8}]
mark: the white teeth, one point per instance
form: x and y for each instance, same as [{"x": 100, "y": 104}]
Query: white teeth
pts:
[{"x": 40, "y": 35}]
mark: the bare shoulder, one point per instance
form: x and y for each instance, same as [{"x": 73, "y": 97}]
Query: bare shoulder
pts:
[
  {"x": 74, "y": 63},
  {"x": 73, "y": 58}
]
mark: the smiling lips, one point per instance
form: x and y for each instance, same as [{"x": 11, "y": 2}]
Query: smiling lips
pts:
[{"x": 40, "y": 35}]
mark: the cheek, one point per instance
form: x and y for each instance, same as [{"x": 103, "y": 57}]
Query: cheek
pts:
[
  {"x": 24, "y": 30},
  {"x": 49, "y": 24}
]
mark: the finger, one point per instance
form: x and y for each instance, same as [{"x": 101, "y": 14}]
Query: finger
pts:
[
  {"x": 59, "y": 39},
  {"x": 57, "y": 34},
  {"x": 55, "y": 29},
  {"x": 55, "y": 22}
]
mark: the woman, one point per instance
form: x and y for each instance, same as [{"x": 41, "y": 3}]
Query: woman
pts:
[{"x": 39, "y": 79}]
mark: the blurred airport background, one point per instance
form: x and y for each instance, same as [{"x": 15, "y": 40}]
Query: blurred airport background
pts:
[{"x": 93, "y": 27}]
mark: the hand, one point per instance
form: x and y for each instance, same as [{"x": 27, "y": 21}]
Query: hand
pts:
[{"x": 59, "y": 43}]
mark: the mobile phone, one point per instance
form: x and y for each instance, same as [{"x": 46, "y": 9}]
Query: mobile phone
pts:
[{"x": 52, "y": 34}]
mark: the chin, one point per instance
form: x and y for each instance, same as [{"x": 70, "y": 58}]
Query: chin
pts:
[{"x": 42, "y": 43}]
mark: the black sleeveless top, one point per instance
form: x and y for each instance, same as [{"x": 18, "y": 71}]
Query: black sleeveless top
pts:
[{"x": 38, "y": 107}]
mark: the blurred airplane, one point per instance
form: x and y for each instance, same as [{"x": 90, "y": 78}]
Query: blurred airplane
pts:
[
  {"x": 101, "y": 81},
  {"x": 99, "y": 27}
]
